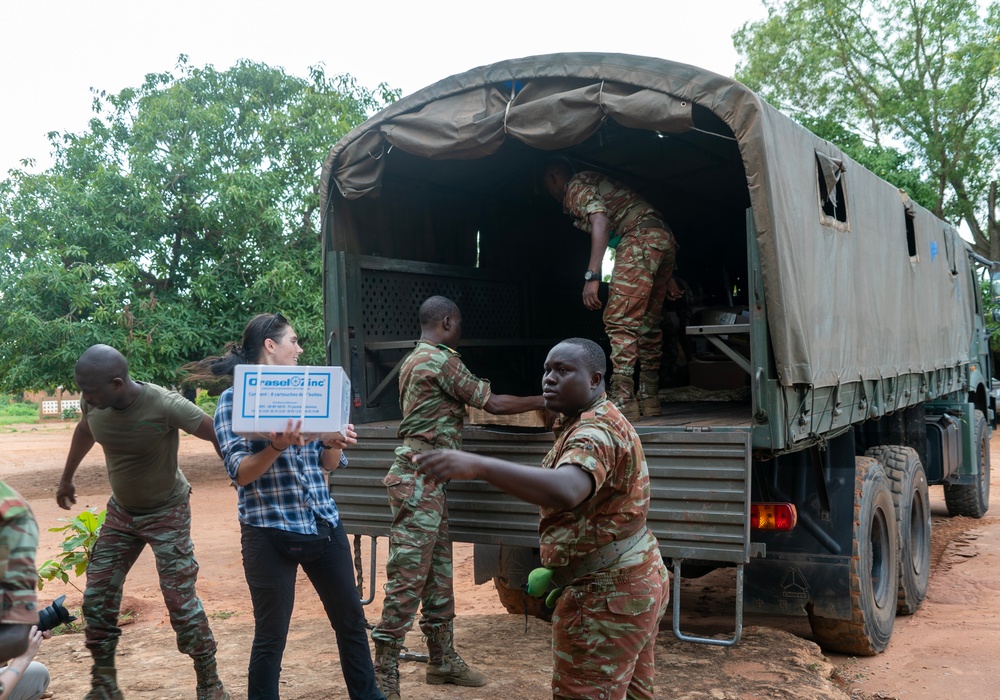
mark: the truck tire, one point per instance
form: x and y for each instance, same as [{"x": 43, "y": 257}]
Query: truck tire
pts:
[
  {"x": 908, "y": 483},
  {"x": 973, "y": 500},
  {"x": 517, "y": 602},
  {"x": 874, "y": 570}
]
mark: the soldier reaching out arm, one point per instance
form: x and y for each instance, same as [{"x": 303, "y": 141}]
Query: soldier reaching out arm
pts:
[{"x": 594, "y": 498}]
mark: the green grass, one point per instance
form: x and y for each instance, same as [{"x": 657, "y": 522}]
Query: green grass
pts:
[{"x": 11, "y": 412}]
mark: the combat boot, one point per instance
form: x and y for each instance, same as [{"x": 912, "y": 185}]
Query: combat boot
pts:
[
  {"x": 444, "y": 665},
  {"x": 622, "y": 395},
  {"x": 210, "y": 686},
  {"x": 104, "y": 684},
  {"x": 649, "y": 393},
  {"x": 387, "y": 669}
]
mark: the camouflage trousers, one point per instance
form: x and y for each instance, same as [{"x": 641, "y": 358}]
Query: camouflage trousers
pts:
[
  {"x": 634, "y": 312},
  {"x": 123, "y": 537},
  {"x": 419, "y": 566},
  {"x": 604, "y": 631}
]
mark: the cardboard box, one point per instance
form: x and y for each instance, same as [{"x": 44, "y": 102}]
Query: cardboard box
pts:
[
  {"x": 265, "y": 397},
  {"x": 528, "y": 419}
]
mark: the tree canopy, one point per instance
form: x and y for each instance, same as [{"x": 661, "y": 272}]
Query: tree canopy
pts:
[
  {"x": 189, "y": 204},
  {"x": 909, "y": 76}
]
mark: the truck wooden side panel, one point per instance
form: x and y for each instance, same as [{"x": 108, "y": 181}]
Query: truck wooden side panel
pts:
[{"x": 699, "y": 481}]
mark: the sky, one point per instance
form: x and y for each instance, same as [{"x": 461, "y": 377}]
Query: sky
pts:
[{"x": 52, "y": 53}]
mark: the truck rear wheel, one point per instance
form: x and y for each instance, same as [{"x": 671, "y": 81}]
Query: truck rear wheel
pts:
[
  {"x": 908, "y": 483},
  {"x": 973, "y": 500},
  {"x": 874, "y": 570}
]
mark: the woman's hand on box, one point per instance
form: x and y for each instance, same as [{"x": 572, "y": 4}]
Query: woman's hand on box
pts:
[
  {"x": 292, "y": 435},
  {"x": 339, "y": 443}
]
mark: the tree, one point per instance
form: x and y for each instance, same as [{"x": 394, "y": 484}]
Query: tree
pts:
[
  {"x": 189, "y": 204},
  {"x": 919, "y": 73}
]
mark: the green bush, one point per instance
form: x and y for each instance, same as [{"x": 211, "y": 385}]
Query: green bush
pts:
[{"x": 206, "y": 403}]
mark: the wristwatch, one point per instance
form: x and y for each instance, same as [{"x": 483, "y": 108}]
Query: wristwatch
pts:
[{"x": 591, "y": 276}]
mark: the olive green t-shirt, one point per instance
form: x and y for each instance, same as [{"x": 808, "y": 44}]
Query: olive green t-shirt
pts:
[{"x": 140, "y": 446}]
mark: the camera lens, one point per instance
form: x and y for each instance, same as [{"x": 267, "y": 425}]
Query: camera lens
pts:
[{"x": 54, "y": 615}]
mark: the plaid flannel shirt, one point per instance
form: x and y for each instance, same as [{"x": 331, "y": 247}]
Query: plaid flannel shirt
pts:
[{"x": 292, "y": 495}]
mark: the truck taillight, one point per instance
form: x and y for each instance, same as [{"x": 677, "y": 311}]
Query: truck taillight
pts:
[{"x": 773, "y": 516}]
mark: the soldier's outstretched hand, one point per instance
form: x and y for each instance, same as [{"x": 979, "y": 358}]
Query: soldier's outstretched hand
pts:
[{"x": 441, "y": 466}]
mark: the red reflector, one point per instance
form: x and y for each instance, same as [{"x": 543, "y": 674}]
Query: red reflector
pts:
[{"x": 773, "y": 516}]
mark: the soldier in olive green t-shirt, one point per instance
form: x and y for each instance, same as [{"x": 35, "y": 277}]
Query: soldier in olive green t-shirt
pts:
[{"x": 138, "y": 426}]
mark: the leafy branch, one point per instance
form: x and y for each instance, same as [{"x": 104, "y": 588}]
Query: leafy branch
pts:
[{"x": 77, "y": 546}]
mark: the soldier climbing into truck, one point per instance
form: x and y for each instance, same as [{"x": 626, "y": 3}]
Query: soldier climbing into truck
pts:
[{"x": 642, "y": 280}]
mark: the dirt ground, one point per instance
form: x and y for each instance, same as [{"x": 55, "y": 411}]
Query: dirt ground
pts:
[{"x": 948, "y": 649}]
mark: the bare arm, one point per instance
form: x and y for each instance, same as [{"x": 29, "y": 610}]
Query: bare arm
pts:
[
  {"x": 505, "y": 404},
  {"x": 563, "y": 488},
  {"x": 600, "y": 232},
  {"x": 80, "y": 445},
  {"x": 206, "y": 431}
]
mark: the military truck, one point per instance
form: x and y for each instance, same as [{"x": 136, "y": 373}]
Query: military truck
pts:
[{"x": 830, "y": 361}]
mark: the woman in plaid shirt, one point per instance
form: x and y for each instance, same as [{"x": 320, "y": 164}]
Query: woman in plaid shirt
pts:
[{"x": 288, "y": 519}]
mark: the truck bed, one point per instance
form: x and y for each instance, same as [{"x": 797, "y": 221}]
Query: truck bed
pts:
[{"x": 675, "y": 414}]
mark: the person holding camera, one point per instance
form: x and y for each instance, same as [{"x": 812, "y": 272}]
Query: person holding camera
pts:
[
  {"x": 23, "y": 678},
  {"x": 287, "y": 520},
  {"x": 18, "y": 577},
  {"x": 138, "y": 424}
]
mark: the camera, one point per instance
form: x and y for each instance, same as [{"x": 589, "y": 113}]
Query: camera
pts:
[{"x": 54, "y": 615}]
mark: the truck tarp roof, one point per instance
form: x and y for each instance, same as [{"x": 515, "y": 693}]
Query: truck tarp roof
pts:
[{"x": 843, "y": 302}]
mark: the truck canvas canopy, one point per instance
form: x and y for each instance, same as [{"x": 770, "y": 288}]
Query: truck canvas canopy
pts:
[{"x": 830, "y": 250}]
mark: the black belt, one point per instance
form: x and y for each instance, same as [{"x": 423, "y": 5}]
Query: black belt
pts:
[{"x": 418, "y": 445}]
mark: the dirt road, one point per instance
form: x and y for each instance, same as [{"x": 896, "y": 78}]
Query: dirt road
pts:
[{"x": 948, "y": 649}]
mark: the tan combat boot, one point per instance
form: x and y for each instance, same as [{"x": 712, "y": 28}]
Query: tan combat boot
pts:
[
  {"x": 387, "y": 669},
  {"x": 622, "y": 395},
  {"x": 444, "y": 665},
  {"x": 649, "y": 393},
  {"x": 210, "y": 686},
  {"x": 104, "y": 684}
]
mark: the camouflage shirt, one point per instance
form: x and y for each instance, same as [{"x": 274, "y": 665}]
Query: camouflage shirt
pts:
[
  {"x": 18, "y": 543},
  {"x": 605, "y": 445},
  {"x": 589, "y": 192},
  {"x": 434, "y": 388}
]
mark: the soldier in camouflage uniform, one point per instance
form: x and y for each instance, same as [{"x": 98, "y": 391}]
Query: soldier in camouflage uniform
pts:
[
  {"x": 434, "y": 389},
  {"x": 18, "y": 576},
  {"x": 645, "y": 252},
  {"x": 594, "y": 498},
  {"x": 137, "y": 425}
]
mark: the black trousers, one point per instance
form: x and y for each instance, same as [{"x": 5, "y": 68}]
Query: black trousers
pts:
[{"x": 271, "y": 559}]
